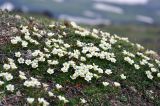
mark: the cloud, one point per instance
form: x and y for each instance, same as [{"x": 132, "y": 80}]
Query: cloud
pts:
[
  {"x": 58, "y": 1},
  {"x": 108, "y": 8},
  {"x": 84, "y": 20},
  {"x": 145, "y": 19},
  {"x": 89, "y": 13},
  {"x": 125, "y": 2},
  {"x": 7, "y": 6}
]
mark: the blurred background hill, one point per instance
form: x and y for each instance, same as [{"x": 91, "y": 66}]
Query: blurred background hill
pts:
[{"x": 137, "y": 19}]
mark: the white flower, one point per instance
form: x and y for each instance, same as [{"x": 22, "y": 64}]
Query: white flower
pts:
[
  {"x": 89, "y": 55},
  {"x": 50, "y": 34},
  {"x": 100, "y": 70},
  {"x": 66, "y": 45},
  {"x": 105, "y": 83},
  {"x": 149, "y": 75},
  {"x": 43, "y": 101},
  {"x": 157, "y": 61},
  {"x": 6, "y": 66},
  {"x": 83, "y": 59},
  {"x": 104, "y": 45},
  {"x": 52, "y": 62},
  {"x": 52, "y": 25},
  {"x": 42, "y": 59},
  {"x": 50, "y": 71},
  {"x": 47, "y": 55},
  {"x": 28, "y": 62},
  {"x": 21, "y": 60},
  {"x": 34, "y": 64},
  {"x": 117, "y": 84},
  {"x": 10, "y": 87},
  {"x": 46, "y": 50},
  {"x": 21, "y": 73},
  {"x": 35, "y": 53},
  {"x": 113, "y": 60},
  {"x": 10, "y": 60},
  {"x": 150, "y": 65},
  {"x": 14, "y": 41},
  {"x": 79, "y": 44},
  {"x": 22, "y": 77},
  {"x": 95, "y": 31},
  {"x": 83, "y": 100},
  {"x": 30, "y": 100},
  {"x": 8, "y": 76},
  {"x": 13, "y": 66},
  {"x": 113, "y": 41},
  {"x": 58, "y": 86},
  {"x": 55, "y": 62},
  {"x": 108, "y": 71},
  {"x": 96, "y": 76},
  {"x": 50, "y": 94},
  {"x": 143, "y": 62},
  {"x": 24, "y": 29},
  {"x": 150, "y": 52},
  {"x": 27, "y": 37},
  {"x": 73, "y": 24},
  {"x": 37, "y": 34},
  {"x": 129, "y": 60},
  {"x": 1, "y": 83},
  {"x": 123, "y": 76},
  {"x": 18, "y": 38},
  {"x": 136, "y": 66},
  {"x": 153, "y": 69},
  {"x": 128, "y": 53},
  {"x": 61, "y": 98},
  {"x": 18, "y": 54},
  {"x": 139, "y": 47},
  {"x": 45, "y": 85},
  {"x": 158, "y": 75},
  {"x": 24, "y": 44},
  {"x": 32, "y": 83},
  {"x": 65, "y": 67},
  {"x": 35, "y": 29},
  {"x": 88, "y": 78}
]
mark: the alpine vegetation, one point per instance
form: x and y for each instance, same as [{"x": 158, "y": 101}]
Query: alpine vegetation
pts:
[{"x": 65, "y": 64}]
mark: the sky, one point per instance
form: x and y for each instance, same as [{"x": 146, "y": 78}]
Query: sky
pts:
[
  {"x": 91, "y": 11},
  {"x": 127, "y": 2}
]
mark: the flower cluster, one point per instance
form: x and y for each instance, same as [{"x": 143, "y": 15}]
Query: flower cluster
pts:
[
  {"x": 61, "y": 98},
  {"x": 129, "y": 60},
  {"x": 43, "y": 55},
  {"x": 7, "y": 76},
  {"x": 11, "y": 65},
  {"x": 32, "y": 83}
]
